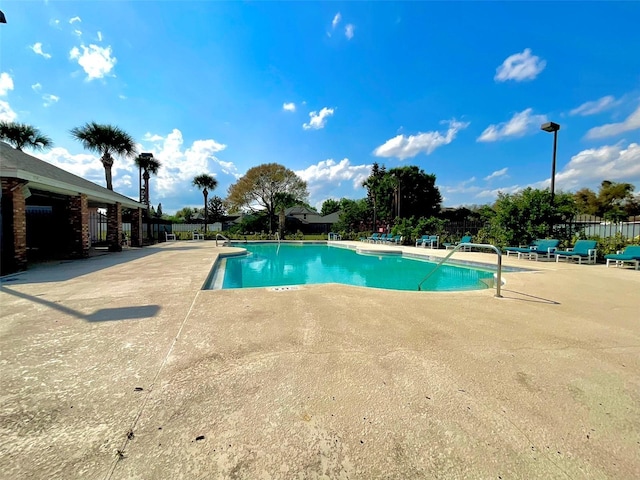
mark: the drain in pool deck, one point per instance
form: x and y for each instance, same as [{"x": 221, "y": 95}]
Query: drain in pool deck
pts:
[{"x": 283, "y": 289}]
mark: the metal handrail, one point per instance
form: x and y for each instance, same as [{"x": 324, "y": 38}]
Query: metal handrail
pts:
[
  {"x": 277, "y": 235},
  {"x": 476, "y": 245},
  {"x": 220, "y": 235}
]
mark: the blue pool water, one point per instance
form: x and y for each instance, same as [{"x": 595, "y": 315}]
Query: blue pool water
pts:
[{"x": 275, "y": 265}]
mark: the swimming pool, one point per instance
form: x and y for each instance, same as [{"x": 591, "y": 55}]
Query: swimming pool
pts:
[{"x": 278, "y": 265}]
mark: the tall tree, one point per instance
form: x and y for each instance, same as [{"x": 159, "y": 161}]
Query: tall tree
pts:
[
  {"x": 373, "y": 185},
  {"x": 205, "y": 182},
  {"x": 258, "y": 189},
  {"x": 412, "y": 192},
  {"x": 614, "y": 201},
  {"x": 185, "y": 215},
  {"x": 217, "y": 209},
  {"x": 107, "y": 141},
  {"x": 21, "y": 135},
  {"x": 330, "y": 206},
  {"x": 149, "y": 165},
  {"x": 524, "y": 216}
]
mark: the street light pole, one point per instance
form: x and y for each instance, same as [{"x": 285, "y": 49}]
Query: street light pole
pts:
[{"x": 552, "y": 127}]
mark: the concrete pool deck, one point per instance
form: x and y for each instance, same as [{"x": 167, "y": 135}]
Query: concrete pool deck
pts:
[{"x": 119, "y": 366}]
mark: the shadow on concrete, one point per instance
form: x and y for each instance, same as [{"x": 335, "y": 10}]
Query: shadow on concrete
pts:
[
  {"x": 102, "y": 315},
  {"x": 62, "y": 270},
  {"x": 530, "y": 298}
]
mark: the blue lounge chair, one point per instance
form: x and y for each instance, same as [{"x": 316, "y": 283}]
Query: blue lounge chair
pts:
[
  {"x": 544, "y": 248},
  {"x": 583, "y": 250},
  {"x": 373, "y": 238},
  {"x": 421, "y": 241},
  {"x": 631, "y": 254},
  {"x": 393, "y": 239},
  {"x": 432, "y": 241},
  {"x": 465, "y": 239}
]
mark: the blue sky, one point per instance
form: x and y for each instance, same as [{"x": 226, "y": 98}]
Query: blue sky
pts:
[{"x": 328, "y": 88}]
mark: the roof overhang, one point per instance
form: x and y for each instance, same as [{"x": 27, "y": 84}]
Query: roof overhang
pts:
[{"x": 100, "y": 198}]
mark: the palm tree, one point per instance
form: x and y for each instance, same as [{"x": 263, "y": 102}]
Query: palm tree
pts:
[
  {"x": 106, "y": 140},
  {"x": 148, "y": 165},
  {"x": 205, "y": 182},
  {"x": 21, "y": 135}
]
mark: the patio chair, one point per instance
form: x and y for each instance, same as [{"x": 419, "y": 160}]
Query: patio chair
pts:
[
  {"x": 434, "y": 241},
  {"x": 383, "y": 238},
  {"x": 373, "y": 238},
  {"x": 583, "y": 250},
  {"x": 465, "y": 239},
  {"x": 421, "y": 241},
  {"x": 169, "y": 236},
  {"x": 197, "y": 235},
  {"x": 521, "y": 249},
  {"x": 542, "y": 248},
  {"x": 631, "y": 254},
  {"x": 394, "y": 239}
]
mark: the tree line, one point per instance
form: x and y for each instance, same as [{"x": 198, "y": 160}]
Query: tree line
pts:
[{"x": 403, "y": 200}]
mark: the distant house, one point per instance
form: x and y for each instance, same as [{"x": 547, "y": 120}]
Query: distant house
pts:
[
  {"x": 46, "y": 211},
  {"x": 310, "y": 221}
]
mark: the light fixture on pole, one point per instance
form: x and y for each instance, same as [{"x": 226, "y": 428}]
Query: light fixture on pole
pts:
[{"x": 552, "y": 127}]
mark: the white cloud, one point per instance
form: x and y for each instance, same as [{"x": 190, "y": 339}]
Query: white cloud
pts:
[
  {"x": 75, "y": 19},
  {"x": 99, "y": 36},
  {"x": 462, "y": 187},
  {"x": 6, "y": 113},
  {"x": 587, "y": 169},
  {"x": 596, "y": 106},
  {"x": 96, "y": 61},
  {"x": 520, "y": 124},
  {"x": 403, "y": 146},
  {"x": 328, "y": 176},
  {"x": 487, "y": 195},
  {"x": 608, "y": 162},
  {"x": 37, "y": 49},
  {"x": 36, "y": 87},
  {"x": 49, "y": 99},
  {"x": 520, "y": 66},
  {"x": 498, "y": 173},
  {"x": 180, "y": 165},
  {"x": 6, "y": 83},
  {"x": 84, "y": 165},
  {"x": 78, "y": 32},
  {"x": 348, "y": 31},
  {"x": 318, "y": 119},
  {"x": 289, "y": 107},
  {"x": 54, "y": 23},
  {"x": 336, "y": 20},
  {"x": 148, "y": 137},
  {"x": 632, "y": 122}
]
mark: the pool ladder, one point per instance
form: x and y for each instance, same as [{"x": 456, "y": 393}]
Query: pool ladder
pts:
[
  {"x": 225, "y": 239},
  {"x": 475, "y": 245}
]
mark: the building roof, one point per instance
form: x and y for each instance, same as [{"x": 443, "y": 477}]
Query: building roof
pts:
[
  {"x": 299, "y": 210},
  {"x": 44, "y": 176}
]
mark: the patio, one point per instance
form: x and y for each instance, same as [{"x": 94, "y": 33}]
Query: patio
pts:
[{"x": 119, "y": 366}]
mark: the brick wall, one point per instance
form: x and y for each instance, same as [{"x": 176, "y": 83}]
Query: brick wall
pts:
[
  {"x": 79, "y": 221},
  {"x": 136, "y": 228},
  {"x": 114, "y": 227},
  {"x": 16, "y": 236}
]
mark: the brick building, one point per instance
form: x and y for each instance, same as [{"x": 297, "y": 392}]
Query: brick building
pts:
[{"x": 47, "y": 208}]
